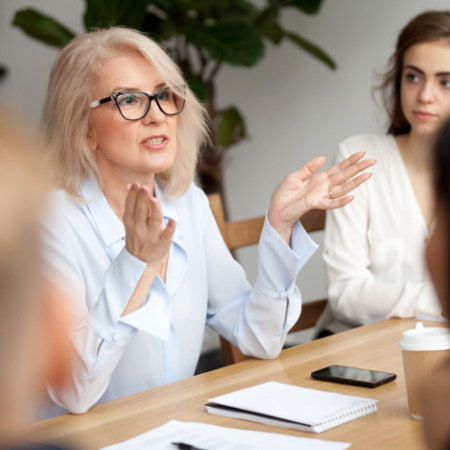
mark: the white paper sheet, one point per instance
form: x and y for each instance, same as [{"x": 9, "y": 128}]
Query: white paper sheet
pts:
[{"x": 210, "y": 437}]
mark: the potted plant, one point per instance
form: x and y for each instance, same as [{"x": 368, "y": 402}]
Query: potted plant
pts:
[{"x": 201, "y": 36}]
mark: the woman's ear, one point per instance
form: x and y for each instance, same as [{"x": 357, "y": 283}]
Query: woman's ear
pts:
[
  {"x": 91, "y": 139},
  {"x": 91, "y": 142}
]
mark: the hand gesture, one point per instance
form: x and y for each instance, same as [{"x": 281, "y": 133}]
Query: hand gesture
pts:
[
  {"x": 305, "y": 189},
  {"x": 146, "y": 237}
]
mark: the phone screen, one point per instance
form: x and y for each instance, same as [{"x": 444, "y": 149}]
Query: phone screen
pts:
[{"x": 353, "y": 375}]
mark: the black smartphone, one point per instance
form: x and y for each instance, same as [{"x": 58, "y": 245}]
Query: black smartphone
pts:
[{"x": 353, "y": 376}]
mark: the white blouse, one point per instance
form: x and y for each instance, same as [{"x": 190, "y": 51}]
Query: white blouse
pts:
[
  {"x": 374, "y": 247},
  {"x": 115, "y": 355}
]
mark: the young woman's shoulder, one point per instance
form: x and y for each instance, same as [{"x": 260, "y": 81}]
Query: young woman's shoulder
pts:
[{"x": 375, "y": 145}]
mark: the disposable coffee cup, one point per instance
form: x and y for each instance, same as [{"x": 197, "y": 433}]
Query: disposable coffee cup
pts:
[{"x": 423, "y": 349}]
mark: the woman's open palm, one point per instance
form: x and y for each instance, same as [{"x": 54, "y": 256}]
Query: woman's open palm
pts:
[{"x": 307, "y": 189}]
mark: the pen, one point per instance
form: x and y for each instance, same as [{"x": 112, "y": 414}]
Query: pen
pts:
[{"x": 184, "y": 446}]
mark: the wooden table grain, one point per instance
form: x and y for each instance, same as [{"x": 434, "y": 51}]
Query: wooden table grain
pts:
[{"x": 373, "y": 347}]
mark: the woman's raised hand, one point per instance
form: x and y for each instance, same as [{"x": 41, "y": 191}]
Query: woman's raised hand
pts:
[
  {"x": 146, "y": 237},
  {"x": 305, "y": 189}
]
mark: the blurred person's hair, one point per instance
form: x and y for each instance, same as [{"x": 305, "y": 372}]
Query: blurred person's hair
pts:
[
  {"x": 22, "y": 193},
  {"x": 34, "y": 320},
  {"x": 441, "y": 178},
  {"x": 68, "y": 116},
  {"x": 441, "y": 170},
  {"x": 429, "y": 26}
]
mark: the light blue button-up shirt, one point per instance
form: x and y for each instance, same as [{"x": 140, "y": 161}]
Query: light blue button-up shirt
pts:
[{"x": 115, "y": 355}]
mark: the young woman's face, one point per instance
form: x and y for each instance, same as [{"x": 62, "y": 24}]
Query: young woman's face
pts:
[
  {"x": 131, "y": 150},
  {"x": 437, "y": 257},
  {"x": 425, "y": 86}
]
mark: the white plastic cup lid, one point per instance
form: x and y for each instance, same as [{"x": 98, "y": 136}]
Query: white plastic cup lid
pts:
[{"x": 425, "y": 338}]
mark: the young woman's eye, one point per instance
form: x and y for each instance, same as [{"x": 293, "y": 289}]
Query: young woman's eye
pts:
[
  {"x": 446, "y": 83},
  {"x": 412, "y": 77}
]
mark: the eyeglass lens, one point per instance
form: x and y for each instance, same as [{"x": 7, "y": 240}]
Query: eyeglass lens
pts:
[{"x": 134, "y": 105}]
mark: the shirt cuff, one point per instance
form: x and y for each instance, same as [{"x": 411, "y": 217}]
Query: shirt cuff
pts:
[
  {"x": 120, "y": 282},
  {"x": 154, "y": 316},
  {"x": 279, "y": 264}
]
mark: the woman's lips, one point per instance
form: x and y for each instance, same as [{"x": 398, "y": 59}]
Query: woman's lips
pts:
[
  {"x": 155, "y": 142},
  {"x": 423, "y": 115}
]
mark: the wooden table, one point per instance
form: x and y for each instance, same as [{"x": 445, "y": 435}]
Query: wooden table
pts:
[{"x": 374, "y": 347}]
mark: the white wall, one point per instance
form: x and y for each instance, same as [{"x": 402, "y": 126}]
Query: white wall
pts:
[
  {"x": 29, "y": 61},
  {"x": 296, "y": 108}
]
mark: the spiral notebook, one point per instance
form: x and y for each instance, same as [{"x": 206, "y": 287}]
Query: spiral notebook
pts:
[{"x": 288, "y": 406}]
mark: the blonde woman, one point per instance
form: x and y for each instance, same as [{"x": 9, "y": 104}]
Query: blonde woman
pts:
[{"x": 136, "y": 247}]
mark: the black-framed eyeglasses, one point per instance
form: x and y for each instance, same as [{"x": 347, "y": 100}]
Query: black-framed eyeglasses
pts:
[{"x": 134, "y": 105}]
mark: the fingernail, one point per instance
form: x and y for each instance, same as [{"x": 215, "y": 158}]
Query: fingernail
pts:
[{"x": 134, "y": 187}]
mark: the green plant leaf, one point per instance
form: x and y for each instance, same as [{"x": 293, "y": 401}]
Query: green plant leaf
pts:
[
  {"x": 164, "y": 5},
  {"x": 199, "y": 88},
  {"x": 235, "y": 42},
  {"x": 307, "y": 6},
  {"x": 311, "y": 48},
  {"x": 221, "y": 10},
  {"x": 268, "y": 25},
  {"x": 106, "y": 13},
  {"x": 42, "y": 27},
  {"x": 231, "y": 127},
  {"x": 217, "y": 10},
  {"x": 176, "y": 7},
  {"x": 159, "y": 28}
]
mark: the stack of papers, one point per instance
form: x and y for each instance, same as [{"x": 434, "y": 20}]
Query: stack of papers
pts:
[
  {"x": 210, "y": 437},
  {"x": 288, "y": 406}
]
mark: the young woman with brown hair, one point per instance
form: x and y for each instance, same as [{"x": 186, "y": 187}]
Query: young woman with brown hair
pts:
[{"x": 374, "y": 248}]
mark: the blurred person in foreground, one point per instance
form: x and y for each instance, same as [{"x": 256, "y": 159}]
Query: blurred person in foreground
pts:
[
  {"x": 436, "y": 390},
  {"x": 33, "y": 324},
  {"x": 137, "y": 248}
]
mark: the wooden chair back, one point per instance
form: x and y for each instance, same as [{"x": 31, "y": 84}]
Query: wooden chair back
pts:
[{"x": 244, "y": 233}]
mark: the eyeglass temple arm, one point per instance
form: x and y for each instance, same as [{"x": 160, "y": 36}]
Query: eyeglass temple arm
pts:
[{"x": 100, "y": 102}]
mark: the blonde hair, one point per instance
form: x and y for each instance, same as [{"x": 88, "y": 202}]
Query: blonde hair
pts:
[{"x": 68, "y": 116}]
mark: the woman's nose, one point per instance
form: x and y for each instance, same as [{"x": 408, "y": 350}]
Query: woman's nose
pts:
[
  {"x": 427, "y": 93},
  {"x": 154, "y": 114}
]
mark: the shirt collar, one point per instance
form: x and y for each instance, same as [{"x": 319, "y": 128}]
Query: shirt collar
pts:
[
  {"x": 108, "y": 225},
  {"x": 169, "y": 212}
]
